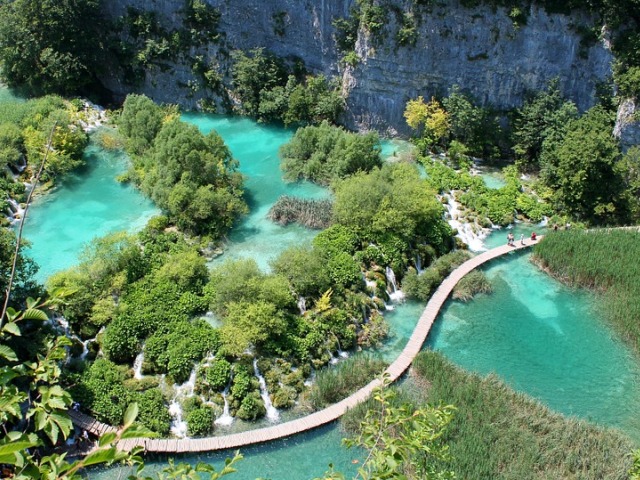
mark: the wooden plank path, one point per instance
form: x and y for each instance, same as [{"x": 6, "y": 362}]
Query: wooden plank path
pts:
[
  {"x": 90, "y": 424},
  {"x": 335, "y": 411}
]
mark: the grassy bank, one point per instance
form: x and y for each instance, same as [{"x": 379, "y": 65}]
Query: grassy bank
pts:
[
  {"x": 497, "y": 433},
  {"x": 605, "y": 261}
]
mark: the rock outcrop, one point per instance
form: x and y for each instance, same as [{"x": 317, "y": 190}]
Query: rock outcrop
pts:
[{"x": 480, "y": 49}]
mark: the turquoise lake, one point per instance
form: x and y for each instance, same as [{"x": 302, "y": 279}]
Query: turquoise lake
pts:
[
  {"x": 88, "y": 203},
  {"x": 541, "y": 337}
]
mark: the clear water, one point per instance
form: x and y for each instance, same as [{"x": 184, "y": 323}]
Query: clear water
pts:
[
  {"x": 88, "y": 203},
  {"x": 544, "y": 339},
  {"x": 301, "y": 457},
  {"x": 256, "y": 147},
  {"x": 8, "y": 95}
]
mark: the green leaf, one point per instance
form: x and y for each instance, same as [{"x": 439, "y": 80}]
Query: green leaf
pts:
[
  {"x": 34, "y": 314},
  {"x": 130, "y": 415},
  {"x": 11, "y": 448},
  {"x": 106, "y": 439},
  {"x": 100, "y": 456},
  {"x": 8, "y": 354},
  {"x": 12, "y": 328}
]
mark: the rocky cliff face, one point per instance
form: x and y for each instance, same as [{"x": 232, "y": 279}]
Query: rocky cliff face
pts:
[{"x": 479, "y": 49}]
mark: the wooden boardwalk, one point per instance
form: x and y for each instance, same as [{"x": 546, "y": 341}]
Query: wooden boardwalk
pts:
[
  {"x": 335, "y": 411},
  {"x": 90, "y": 424}
]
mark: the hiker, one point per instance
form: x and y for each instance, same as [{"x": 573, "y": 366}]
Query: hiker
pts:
[
  {"x": 522, "y": 239},
  {"x": 533, "y": 236}
]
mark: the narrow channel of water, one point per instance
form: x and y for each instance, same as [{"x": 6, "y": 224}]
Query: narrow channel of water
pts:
[{"x": 301, "y": 457}]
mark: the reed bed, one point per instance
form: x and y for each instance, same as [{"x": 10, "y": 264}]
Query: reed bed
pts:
[
  {"x": 309, "y": 213},
  {"x": 470, "y": 285},
  {"x": 497, "y": 433},
  {"x": 606, "y": 261},
  {"x": 338, "y": 382}
]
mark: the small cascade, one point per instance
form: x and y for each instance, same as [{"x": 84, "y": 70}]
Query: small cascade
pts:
[
  {"x": 137, "y": 366},
  {"x": 225, "y": 419},
  {"x": 418, "y": 263},
  {"x": 178, "y": 425},
  {"x": 466, "y": 231},
  {"x": 395, "y": 295},
  {"x": 16, "y": 212},
  {"x": 302, "y": 305},
  {"x": 272, "y": 412},
  {"x": 309, "y": 381},
  {"x": 333, "y": 359},
  {"x": 62, "y": 325}
]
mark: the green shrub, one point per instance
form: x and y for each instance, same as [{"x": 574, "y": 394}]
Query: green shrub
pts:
[
  {"x": 252, "y": 407},
  {"x": 218, "y": 374},
  {"x": 200, "y": 421}
]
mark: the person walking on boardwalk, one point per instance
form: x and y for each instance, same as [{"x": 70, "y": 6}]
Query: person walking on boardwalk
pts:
[{"x": 522, "y": 239}]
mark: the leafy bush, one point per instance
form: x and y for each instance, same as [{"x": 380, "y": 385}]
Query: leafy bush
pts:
[
  {"x": 219, "y": 374},
  {"x": 252, "y": 407},
  {"x": 200, "y": 421},
  {"x": 325, "y": 153},
  {"x": 152, "y": 411}
]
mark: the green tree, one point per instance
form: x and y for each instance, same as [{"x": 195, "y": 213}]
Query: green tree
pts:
[
  {"x": 140, "y": 121},
  {"x": 249, "y": 325},
  {"x": 324, "y": 153},
  {"x": 542, "y": 119},
  {"x": 254, "y": 72},
  {"x": 581, "y": 169},
  {"x": 50, "y": 46}
]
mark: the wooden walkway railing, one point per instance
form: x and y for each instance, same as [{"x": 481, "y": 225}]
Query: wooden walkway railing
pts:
[{"x": 335, "y": 411}]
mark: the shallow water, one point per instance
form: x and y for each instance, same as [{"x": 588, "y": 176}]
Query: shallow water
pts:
[
  {"x": 301, "y": 457},
  {"x": 544, "y": 339},
  {"x": 256, "y": 147},
  {"x": 88, "y": 203}
]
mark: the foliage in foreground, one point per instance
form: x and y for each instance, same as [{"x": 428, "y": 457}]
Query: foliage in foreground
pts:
[{"x": 602, "y": 260}]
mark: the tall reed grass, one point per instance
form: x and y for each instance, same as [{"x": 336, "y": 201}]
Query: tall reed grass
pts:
[
  {"x": 309, "y": 213},
  {"x": 497, "y": 433},
  {"x": 607, "y": 261},
  {"x": 334, "y": 384}
]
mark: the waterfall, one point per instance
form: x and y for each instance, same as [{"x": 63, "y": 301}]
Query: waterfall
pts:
[
  {"x": 137, "y": 366},
  {"x": 225, "y": 419},
  {"x": 61, "y": 324},
  {"x": 396, "y": 295},
  {"x": 309, "y": 381},
  {"x": 302, "y": 305},
  {"x": 272, "y": 412},
  {"x": 178, "y": 425},
  {"x": 418, "y": 263},
  {"x": 466, "y": 231}
]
